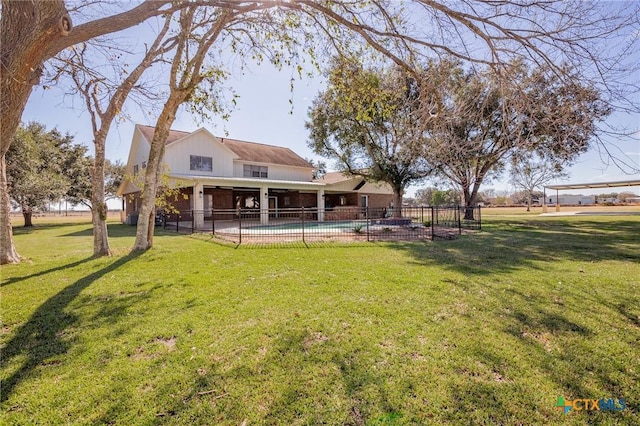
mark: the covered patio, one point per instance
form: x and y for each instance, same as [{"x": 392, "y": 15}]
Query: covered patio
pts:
[{"x": 593, "y": 185}]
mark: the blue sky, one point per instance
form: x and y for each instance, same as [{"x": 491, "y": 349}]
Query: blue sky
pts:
[{"x": 264, "y": 114}]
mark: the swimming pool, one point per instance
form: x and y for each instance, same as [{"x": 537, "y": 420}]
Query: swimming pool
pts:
[{"x": 349, "y": 225}]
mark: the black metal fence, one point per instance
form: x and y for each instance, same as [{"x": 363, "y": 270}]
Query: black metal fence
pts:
[{"x": 242, "y": 226}]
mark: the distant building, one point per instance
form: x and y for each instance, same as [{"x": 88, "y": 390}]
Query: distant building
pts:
[
  {"x": 571, "y": 200},
  {"x": 607, "y": 200}
]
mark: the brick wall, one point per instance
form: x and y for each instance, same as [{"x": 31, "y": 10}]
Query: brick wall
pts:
[
  {"x": 380, "y": 200},
  {"x": 222, "y": 198}
]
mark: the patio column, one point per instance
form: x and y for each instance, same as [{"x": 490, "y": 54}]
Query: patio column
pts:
[
  {"x": 264, "y": 205},
  {"x": 198, "y": 205},
  {"x": 544, "y": 200},
  {"x": 320, "y": 205},
  {"x": 557, "y": 200}
]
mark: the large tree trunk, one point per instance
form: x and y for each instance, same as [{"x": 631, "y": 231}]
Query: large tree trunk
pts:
[
  {"x": 146, "y": 218},
  {"x": 32, "y": 31},
  {"x": 8, "y": 252},
  {"x": 180, "y": 90},
  {"x": 26, "y": 27},
  {"x": 98, "y": 206},
  {"x": 27, "y": 214},
  {"x": 470, "y": 196},
  {"x": 398, "y": 193}
]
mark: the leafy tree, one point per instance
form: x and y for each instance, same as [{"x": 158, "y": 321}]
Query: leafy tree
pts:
[
  {"x": 82, "y": 189},
  {"x": 368, "y": 121},
  {"x": 480, "y": 32},
  {"x": 445, "y": 197},
  {"x": 168, "y": 192},
  {"x": 424, "y": 196},
  {"x": 104, "y": 98},
  {"x": 198, "y": 31},
  {"x": 478, "y": 121},
  {"x": 530, "y": 173},
  {"x": 32, "y": 32},
  {"x": 41, "y": 166},
  {"x": 437, "y": 197}
]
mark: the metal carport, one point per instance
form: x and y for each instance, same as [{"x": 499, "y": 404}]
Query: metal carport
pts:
[{"x": 632, "y": 182}]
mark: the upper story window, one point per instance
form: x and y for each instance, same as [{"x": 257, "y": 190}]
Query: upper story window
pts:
[
  {"x": 255, "y": 171},
  {"x": 200, "y": 163},
  {"x": 136, "y": 168}
]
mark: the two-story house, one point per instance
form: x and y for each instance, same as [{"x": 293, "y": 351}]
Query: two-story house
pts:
[{"x": 221, "y": 173}]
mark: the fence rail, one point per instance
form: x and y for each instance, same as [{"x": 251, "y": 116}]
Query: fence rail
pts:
[{"x": 338, "y": 224}]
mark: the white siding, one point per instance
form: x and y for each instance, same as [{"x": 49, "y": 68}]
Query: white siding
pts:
[
  {"x": 141, "y": 153},
  {"x": 177, "y": 155},
  {"x": 278, "y": 172}
]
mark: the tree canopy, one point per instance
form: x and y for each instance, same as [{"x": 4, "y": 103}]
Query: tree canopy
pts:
[
  {"x": 481, "y": 32},
  {"x": 478, "y": 120},
  {"x": 530, "y": 173},
  {"x": 368, "y": 120},
  {"x": 42, "y": 167}
]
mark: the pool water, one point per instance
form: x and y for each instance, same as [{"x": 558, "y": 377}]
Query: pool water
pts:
[{"x": 298, "y": 226}]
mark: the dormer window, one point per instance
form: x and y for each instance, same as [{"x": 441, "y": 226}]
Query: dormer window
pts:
[
  {"x": 201, "y": 164},
  {"x": 250, "y": 170}
]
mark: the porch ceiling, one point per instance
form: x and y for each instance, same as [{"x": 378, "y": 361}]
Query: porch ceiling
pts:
[{"x": 249, "y": 182}]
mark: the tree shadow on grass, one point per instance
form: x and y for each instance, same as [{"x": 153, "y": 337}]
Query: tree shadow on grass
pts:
[
  {"x": 40, "y": 338},
  {"x": 581, "y": 351},
  {"x": 293, "y": 390},
  {"x": 507, "y": 245},
  {"x": 14, "y": 280},
  {"x": 115, "y": 230}
]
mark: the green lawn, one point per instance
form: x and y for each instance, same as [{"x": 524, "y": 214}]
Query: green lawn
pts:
[{"x": 490, "y": 328}]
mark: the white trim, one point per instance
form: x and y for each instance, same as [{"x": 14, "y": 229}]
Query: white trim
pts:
[{"x": 242, "y": 181}]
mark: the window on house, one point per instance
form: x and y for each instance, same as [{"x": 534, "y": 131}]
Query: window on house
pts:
[
  {"x": 250, "y": 170},
  {"x": 200, "y": 163},
  {"x": 136, "y": 168},
  {"x": 144, "y": 164}
]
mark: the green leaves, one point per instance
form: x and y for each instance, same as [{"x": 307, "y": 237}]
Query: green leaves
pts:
[{"x": 43, "y": 166}]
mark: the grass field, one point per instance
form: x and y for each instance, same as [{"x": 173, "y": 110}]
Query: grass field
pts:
[{"x": 490, "y": 328}]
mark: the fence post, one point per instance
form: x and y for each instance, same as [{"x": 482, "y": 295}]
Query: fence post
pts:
[
  {"x": 433, "y": 224},
  {"x": 303, "y": 225},
  {"x": 459, "y": 221},
  {"x": 366, "y": 217},
  {"x": 213, "y": 221},
  {"x": 240, "y": 226},
  {"x": 479, "y": 217},
  {"x": 193, "y": 221},
  {"x": 422, "y": 214},
  {"x": 178, "y": 222}
]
